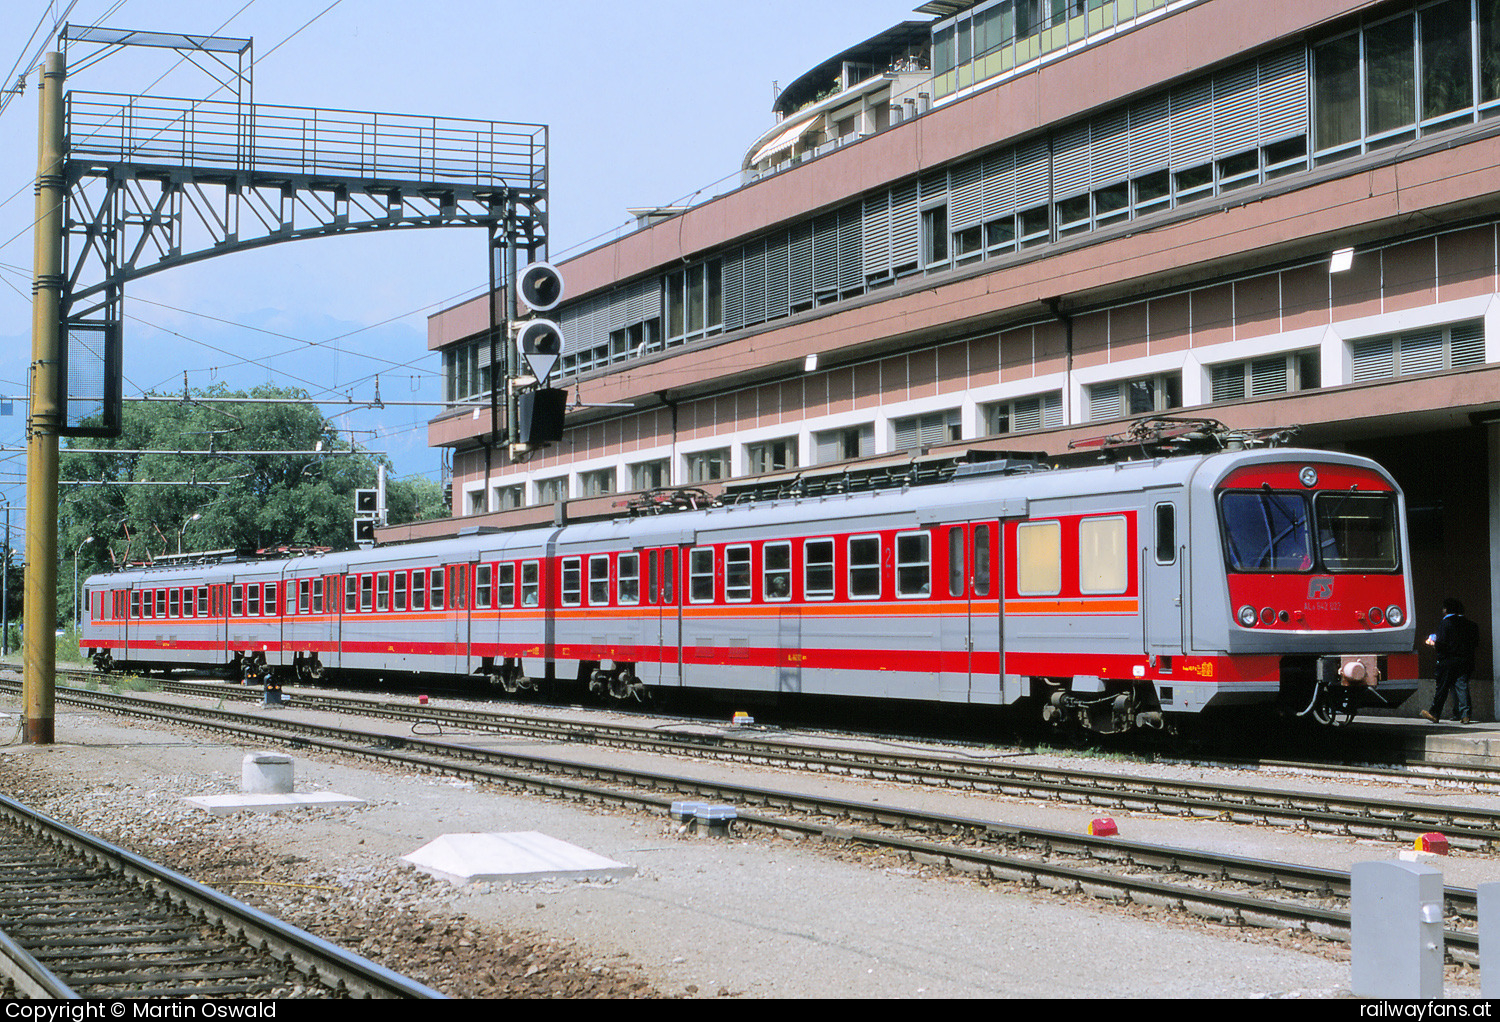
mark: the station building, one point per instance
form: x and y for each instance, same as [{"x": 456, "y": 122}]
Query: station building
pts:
[{"x": 1015, "y": 224}]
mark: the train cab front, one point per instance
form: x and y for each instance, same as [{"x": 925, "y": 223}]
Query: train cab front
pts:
[{"x": 1318, "y": 587}]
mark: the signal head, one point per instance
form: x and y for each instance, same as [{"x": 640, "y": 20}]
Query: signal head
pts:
[{"x": 540, "y": 287}]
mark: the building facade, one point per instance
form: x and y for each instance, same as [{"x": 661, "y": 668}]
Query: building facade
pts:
[{"x": 1018, "y": 223}]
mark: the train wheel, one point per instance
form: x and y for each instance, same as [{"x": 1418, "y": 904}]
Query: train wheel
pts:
[
  {"x": 104, "y": 663},
  {"x": 624, "y": 684}
]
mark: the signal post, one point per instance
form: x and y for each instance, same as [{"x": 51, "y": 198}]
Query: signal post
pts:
[{"x": 44, "y": 421}]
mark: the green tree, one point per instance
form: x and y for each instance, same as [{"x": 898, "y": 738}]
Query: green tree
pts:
[{"x": 241, "y": 499}]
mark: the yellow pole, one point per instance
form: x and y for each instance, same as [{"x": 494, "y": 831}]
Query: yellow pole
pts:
[{"x": 44, "y": 422}]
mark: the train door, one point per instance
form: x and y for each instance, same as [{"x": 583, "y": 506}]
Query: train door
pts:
[
  {"x": 455, "y": 628},
  {"x": 969, "y": 632},
  {"x": 662, "y": 635},
  {"x": 1163, "y": 553}
]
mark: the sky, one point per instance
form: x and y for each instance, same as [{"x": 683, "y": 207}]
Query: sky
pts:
[{"x": 648, "y": 103}]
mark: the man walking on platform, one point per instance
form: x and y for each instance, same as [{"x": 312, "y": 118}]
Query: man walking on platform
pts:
[{"x": 1455, "y": 641}]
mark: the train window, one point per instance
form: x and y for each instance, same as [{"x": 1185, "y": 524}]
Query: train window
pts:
[
  {"x": 1357, "y": 531},
  {"x": 981, "y": 560},
  {"x": 317, "y": 596},
  {"x": 174, "y": 604},
  {"x": 506, "y": 586},
  {"x": 351, "y": 593},
  {"x": 459, "y": 599},
  {"x": 599, "y": 579},
  {"x": 701, "y": 575},
  {"x": 398, "y": 591},
  {"x": 436, "y": 596},
  {"x": 630, "y": 579},
  {"x": 291, "y": 597},
  {"x": 383, "y": 592},
  {"x": 252, "y": 601},
  {"x": 651, "y": 565},
  {"x": 777, "y": 565},
  {"x": 270, "y": 604},
  {"x": 484, "y": 581},
  {"x": 737, "y": 582},
  {"x": 304, "y": 595},
  {"x": 366, "y": 592},
  {"x": 530, "y": 584},
  {"x": 1039, "y": 558},
  {"x": 1267, "y": 531},
  {"x": 572, "y": 581},
  {"x": 135, "y": 603},
  {"x": 1103, "y": 556},
  {"x": 237, "y": 601},
  {"x": 668, "y": 575},
  {"x": 1166, "y": 533},
  {"x": 419, "y": 589},
  {"x": 913, "y": 564},
  {"x": 957, "y": 564},
  {"x": 161, "y": 603},
  {"x": 864, "y": 567},
  {"x": 817, "y": 569}
]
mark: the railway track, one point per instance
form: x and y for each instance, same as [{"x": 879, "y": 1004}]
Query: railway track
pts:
[
  {"x": 1364, "y": 816},
  {"x": 1233, "y": 889},
  {"x": 82, "y": 918}
]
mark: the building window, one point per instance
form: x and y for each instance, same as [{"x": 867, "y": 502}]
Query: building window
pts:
[
  {"x": 1434, "y": 349},
  {"x": 935, "y": 237},
  {"x": 649, "y": 475},
  {"x": 596, "y": 483},
  {"x": 1135, "y": 397},
  {"x": 1043, "y": 411},
  {"x": 550, "y": 491},
  {"x": 1262, "y": 377},
  {"x": 694, "y": 301},
  {"x": 845, "y": 444},
  {"x": 466, "y": 370},
  {"x": 1400, "y": 78},
  {"x": 706, "y": 466},
  {"x": 476, "y": 503},
  {"x": 927, "y": 430},
  {"x": 508, "y": 498},
  {"x": 771, "y": 456}
]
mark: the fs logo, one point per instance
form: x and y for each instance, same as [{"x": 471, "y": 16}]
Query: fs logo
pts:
[{"x": 1320, "y": 588}]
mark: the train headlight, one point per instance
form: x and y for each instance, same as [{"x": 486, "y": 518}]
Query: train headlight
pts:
[
  {"x": 1247, "y": 616},
  {"x": 1395, "y": 615}
]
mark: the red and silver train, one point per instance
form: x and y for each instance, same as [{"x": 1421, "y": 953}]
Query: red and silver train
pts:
[{"x": 1114, "y": 595}]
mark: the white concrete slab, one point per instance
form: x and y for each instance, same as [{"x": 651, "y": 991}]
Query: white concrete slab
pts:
[
  {"x": 523, "y": 855},
  {"x": 222, "y": 805}
]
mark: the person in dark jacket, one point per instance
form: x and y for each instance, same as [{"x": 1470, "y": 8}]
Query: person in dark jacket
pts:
[{"x": 1455, "y": 641}]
